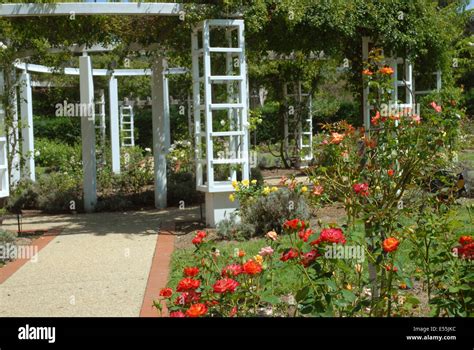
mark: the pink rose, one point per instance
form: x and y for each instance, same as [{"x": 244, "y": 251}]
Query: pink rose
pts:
[{"x": 266, "y": 251}]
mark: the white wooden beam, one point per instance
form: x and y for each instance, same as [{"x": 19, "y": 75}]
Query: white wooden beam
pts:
[
  {"x": 26, "y": 109},
  {"x": 88, "y": 134},
  {"x": 161, "y": 130},
  {"x": 114, "y": 124},
  {"x": 84, "y": 9}
]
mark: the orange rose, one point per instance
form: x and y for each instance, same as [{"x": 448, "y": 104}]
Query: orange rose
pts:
[
  {"x": 336, "y": 138},
  {"x": 367, "y": 72},
  {"x": 196, "y": 310},
  {"x": 386, "y": 70},
  {"x": 251, "y": 267},
  {"x": 390, "y": 244}
]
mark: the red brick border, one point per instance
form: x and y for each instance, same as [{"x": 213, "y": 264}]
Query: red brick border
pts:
[
  {"x": 13, "y": 266},
  {"x": 159, "y": 271}
]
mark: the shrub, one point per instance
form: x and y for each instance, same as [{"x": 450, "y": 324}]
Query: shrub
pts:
[
  {"x": 182, "y": 187},
  {"x": 266, "y": 208},
  {"x": 58, "y": 156},
  {"x": 5, "y": 238},
  {"x": 23, "y": 196},
  {"x": 230, "y": 229},
  {"x": 55, "y": 192}
]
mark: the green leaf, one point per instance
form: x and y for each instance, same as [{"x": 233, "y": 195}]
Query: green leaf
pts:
[
  {"x": 301, "y": 294},
  {"x": 271, "y": 299},
  {"x": 348, "y": 295}
]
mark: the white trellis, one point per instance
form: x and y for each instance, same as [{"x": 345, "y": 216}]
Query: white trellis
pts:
[
  {"x": 437, "y": 75},
  {"x": 127, "y": 128},
  {"x": 100, "y": 123},
  {"x": 299, "y": 110},
  {"x": 402, "y": 78},
  {"x": 209, "y": 112}
]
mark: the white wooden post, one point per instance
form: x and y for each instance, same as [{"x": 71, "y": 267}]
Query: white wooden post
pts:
[
  {"x": 114, "y": 124},
  {"x": 88, "y": 133},
  {"x": 14, "y": 140},
  {"x": 4, "y": 181},
  {"x": 28, "y": 148},
  {"x": 161, "y": 129}
]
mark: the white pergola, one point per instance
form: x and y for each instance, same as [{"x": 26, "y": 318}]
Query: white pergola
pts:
[{"x": 217, "y": 203}]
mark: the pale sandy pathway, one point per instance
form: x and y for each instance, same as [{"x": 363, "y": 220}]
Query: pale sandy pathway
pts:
[{"x": 97, "y": 266}]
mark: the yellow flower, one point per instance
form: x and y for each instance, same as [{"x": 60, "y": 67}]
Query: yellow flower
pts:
[
  {"x": 231, "y": 197},
  {"x": 245, "y": 183},
  {"x": 274, "y": 189},
  {"x": 349, "y": 286},
  {"x": 254, "y": 182},
  {"x": 258, "y": 259},
  {"x": 304, "y": 189},
  {"x": 234, "y": 184},
  {"x": 266, "y": 190}
]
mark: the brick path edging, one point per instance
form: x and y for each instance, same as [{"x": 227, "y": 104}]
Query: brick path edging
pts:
[
  {"x": 13, "y": 266},
  {"x": 159, "y": 272}
]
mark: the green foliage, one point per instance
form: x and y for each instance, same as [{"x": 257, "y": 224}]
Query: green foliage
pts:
[
  {"x": 57, "y": 191},
  {"x": 58, "y": 156},
  {"x": 182, "y": 187}
]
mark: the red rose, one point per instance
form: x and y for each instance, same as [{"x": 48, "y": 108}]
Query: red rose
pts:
[
  {"x": 295, "y": 224},
  {"x": 187, "y": 284},
  {"x": 362, "y": 189},
  {"x": 177, "y": 314},
  {"x": 225, "y": 285},
  {"x": 200, "y": 235},
  {"x": 197, "y": 240},
  {"x": 196, "y": 310},
  {"x": 330, "y": 235},
  {"x": 290, "y": 254},
  {"x": 463, "y": 240},
  {"x": 305, "y": 234},
  {"x": 231, "y": 270},
  {"x": 466, "y": 251},
  {"x": 187, "y": 298},
  {"x": 191, "y": 271},
  {"x": 375, "y": 119},
  {"x": 390, "y": 244},
  {"x": 251, "y": 267},
  {"x": 166, "y": 292},
  {"x": 390, "y": 172},
  {"x": 309, "y": 257}
]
